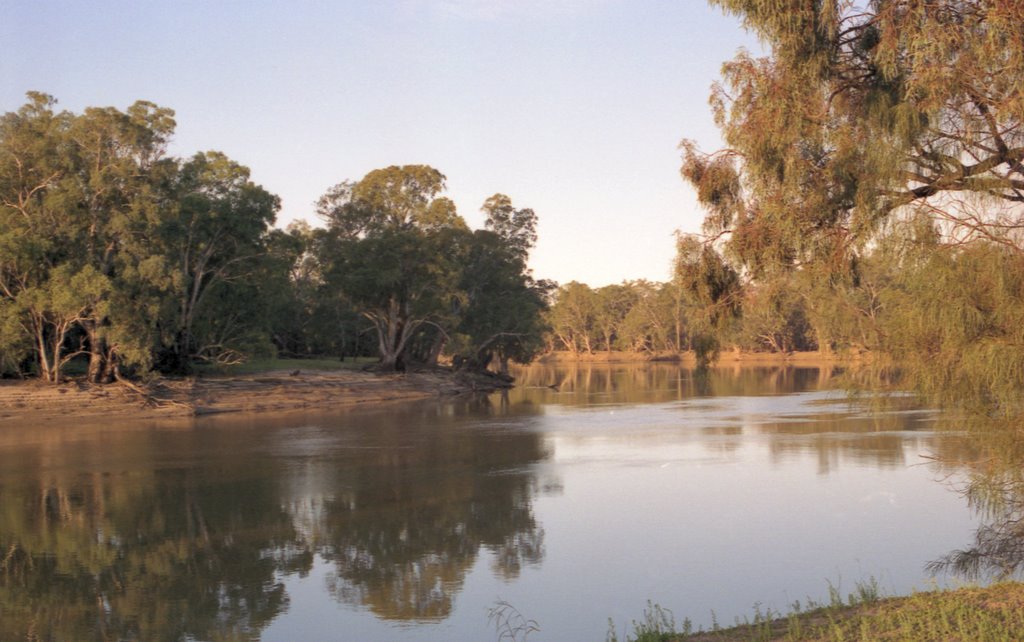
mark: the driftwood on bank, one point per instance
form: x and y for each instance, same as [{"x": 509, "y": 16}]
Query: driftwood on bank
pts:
[{"x": 150, "y": 395}]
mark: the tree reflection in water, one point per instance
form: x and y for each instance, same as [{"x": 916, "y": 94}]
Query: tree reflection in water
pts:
[
  {"x": 191, "y": 531},
  {"x": 412, "y": 520},
  {"x": 995, "y": 492},
  {"x": 194, "y": 538},
  {"x": 165, "y": 555},
  {"x": 645, "y": 382}
]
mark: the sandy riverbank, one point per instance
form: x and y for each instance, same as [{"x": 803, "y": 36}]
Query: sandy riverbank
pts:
[
  {"x": 286, "y": 390},
  {"x": 34, "y": 401}
]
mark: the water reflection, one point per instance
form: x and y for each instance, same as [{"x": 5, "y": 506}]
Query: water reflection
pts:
[
  {"x": 146, "y": 555},
  {"x": 404, "y": 523},
  {"x": 994, "y": 490},
  {"x": 207, "y": 530},
  {"x": 170, "y": 534},
  {"x": 585, "y": 384},
  {"x": 796, "y": 411}
]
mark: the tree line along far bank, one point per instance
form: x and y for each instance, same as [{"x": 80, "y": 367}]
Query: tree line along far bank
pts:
[
  {"x": 869, "y": 197},
  {"x": 123, "y": 260},
  {"x": 115, "y": 255}
]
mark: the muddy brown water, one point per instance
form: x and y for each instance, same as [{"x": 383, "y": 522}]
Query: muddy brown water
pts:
[{"x": 575, "y": 498}]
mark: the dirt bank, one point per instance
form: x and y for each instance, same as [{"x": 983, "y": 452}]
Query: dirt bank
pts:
[{"x": 33, "y": 401}]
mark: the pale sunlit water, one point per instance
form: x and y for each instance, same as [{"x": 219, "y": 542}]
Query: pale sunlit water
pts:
[{"x": 576, "y": 498}]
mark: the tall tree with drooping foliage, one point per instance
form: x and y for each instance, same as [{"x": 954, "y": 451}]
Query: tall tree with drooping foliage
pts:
[
  {"x": 877, "y": 155},
  {"x": 713, "y": 292},
  {"x": 862, "y": 111}
]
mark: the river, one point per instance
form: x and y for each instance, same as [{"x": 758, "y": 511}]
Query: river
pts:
[{"x": 573, "y": 499}]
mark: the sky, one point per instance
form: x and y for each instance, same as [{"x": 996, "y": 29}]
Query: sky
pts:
[{"x": 574, "y": 108}]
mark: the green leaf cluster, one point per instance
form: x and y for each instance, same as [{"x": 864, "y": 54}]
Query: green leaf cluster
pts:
[
  {"x": 409, "y": 265},
  {"x": 117, "y": 254}
]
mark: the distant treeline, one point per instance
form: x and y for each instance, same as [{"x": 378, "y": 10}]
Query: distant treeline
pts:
[{"x": 115, "y": 254}]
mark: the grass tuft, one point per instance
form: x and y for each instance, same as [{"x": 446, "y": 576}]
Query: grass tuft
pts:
[{"x": 509, "y": 623}]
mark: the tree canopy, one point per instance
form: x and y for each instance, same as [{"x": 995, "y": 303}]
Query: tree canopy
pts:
[
  {"x": 871, "y": 193},
  {"x": 115, "y": 254},
  {"x": 862, "y": 112}
]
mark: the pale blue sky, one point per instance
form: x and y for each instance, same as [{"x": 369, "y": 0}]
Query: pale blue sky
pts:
[{"x": 574, "y": 107}]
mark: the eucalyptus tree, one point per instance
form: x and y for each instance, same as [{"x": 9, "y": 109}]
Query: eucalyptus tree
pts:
[
  {"x": 613, "y": 305},
  {"x": 119, "y": 161},
  {"x": 572, "y": 317},
  {"x": 111, "y": 249},
  {"x": 32, "y": 220},
  {"x": 517, "y": 228},
  {"x": 502, "y": 306},
  {"x": 655, "y": 319},
  {"x": 212, "y": 236},
  {"x": 390, "y": 249},
  {"x": 76, "y": 198},
  {"x": 774, "y": 317},
  {"x": 954, "y": 323},
  {"x": 863, "y": 111},
  {"x": 865, "y": 117},
  {"x": 713, "y": 293}
]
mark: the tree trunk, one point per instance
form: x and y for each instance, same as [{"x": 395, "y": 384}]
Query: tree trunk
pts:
[
  {"x": 100, "y": 369},
  {"x": 39, "y": 330},
  {"x": 482, "y": 360},
  {"x": 570, "y": 344},
  {"x": 49, "y": 339},
  {"x": 440, "y": 341},
  {"x": 824, "y": 345},
  {"x": 394, "y": 329}
]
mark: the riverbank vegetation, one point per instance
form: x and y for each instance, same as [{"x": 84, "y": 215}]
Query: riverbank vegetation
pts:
[
  {"x": 994, "y": 613},
  {"x": 870, "y": 199},
  {"x": 875, "y": 169},
  {"x": 116, "y": 255},
  {"x": 871, "y": 196}
]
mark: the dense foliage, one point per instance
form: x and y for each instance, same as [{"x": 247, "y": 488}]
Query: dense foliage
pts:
[
  {"x": 871, "y": 193},
  {"x": 114, "y": 254},
  {"x": 704, "y": 308},
  {"x": 112, "y": 250}
]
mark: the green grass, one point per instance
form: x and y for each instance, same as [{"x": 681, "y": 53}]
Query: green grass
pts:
[
  {"x": 266, "y": 364},
  {"x": 994, "y": 613}
]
